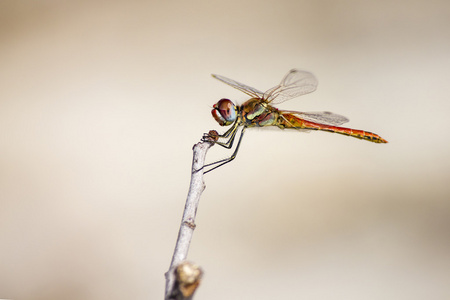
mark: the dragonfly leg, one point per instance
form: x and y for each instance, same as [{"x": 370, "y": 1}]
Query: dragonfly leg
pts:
[
  {"x": 233, "y": 156},
  {"x": 229, "y": 143}
]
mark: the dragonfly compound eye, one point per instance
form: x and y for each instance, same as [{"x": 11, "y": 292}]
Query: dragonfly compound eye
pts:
[{"x": 224, "y": 112}]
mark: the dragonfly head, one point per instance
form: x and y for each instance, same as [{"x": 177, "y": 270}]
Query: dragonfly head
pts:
[{"x": 224, "y": 112}]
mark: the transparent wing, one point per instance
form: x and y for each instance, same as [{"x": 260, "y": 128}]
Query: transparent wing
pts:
[
  {"x": 322, "y": 117},
  {"x": 294, "y": 84},
  {"x": 252, "y": 92}
]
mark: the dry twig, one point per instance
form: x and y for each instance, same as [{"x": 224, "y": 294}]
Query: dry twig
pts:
[{"x": 175, "y": 283}]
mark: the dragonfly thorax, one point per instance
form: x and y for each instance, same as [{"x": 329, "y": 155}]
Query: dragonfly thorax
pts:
[{"x": 224, "y": 112}]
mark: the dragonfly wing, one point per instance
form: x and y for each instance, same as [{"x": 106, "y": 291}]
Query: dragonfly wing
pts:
[
  {"x": 294, "y": 84},
  {"x": 321, "y": 117},
  {"x": 252, "y": 92}
]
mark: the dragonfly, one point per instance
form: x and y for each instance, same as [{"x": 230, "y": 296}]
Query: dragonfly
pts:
[{"x": 259, "y": 111}]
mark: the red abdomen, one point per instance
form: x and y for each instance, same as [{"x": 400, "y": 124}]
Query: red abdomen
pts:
[{"x": 291, "y": 121}]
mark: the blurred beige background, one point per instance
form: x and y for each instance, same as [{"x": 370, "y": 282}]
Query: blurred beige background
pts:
[{"x": 102, "y": 101}]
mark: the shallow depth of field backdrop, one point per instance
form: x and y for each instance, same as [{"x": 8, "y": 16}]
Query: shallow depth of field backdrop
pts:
[{"x": 102, "y": 101}]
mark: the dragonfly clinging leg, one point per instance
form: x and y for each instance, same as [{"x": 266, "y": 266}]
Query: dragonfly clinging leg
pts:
[
  {"x": 259, "y": 111},
  {"x": 228, "y": 144}
]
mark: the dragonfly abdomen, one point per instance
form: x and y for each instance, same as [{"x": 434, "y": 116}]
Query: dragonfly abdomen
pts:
[
  {"x": 291, "y": 121},
  {"x": 356, "y": 133}
]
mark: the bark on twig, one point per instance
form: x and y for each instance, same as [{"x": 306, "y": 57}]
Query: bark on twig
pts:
[{"x": 187, "y": 225}]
